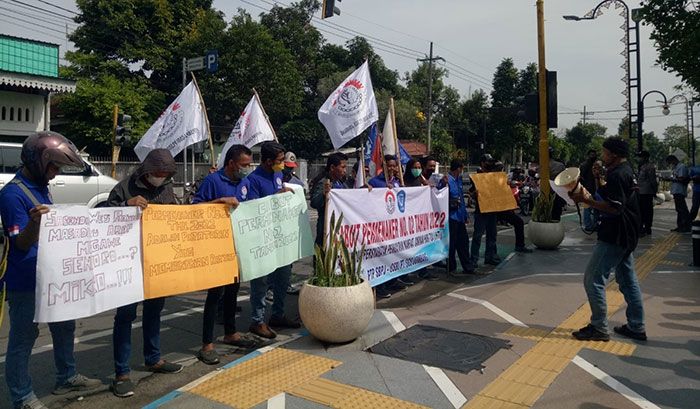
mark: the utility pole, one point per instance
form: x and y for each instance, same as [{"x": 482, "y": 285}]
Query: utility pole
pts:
[
  {"x": 430, "y": 89},
  {"x": 542, "y": 79},
  {"x": 115, "y": 148}
]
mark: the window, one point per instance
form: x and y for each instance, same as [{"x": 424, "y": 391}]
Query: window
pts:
[
  {"x": 11, "y": 159},
  {"x": 26, "y": 114},
  {"x": 19, "y": 114},
  {"x": 4, "y": 111},
  {"x": 12, "y": 113}
]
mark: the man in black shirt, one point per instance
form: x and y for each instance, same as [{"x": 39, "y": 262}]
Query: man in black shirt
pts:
[{"x": 618, "y": 233}]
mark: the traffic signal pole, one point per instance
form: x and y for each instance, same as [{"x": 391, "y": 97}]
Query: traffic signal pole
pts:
[
  {"x": 115, "y": 148},
  {"x": 542, "y": 78}
]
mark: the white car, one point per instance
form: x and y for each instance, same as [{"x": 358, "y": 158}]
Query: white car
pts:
[{"x": 84, "y": 185}]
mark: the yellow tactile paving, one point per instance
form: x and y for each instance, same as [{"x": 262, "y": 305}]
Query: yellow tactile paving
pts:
[
  {"x": 321, "y": 391},
  {"x": 338, "y": 395},
  {"x": 673, "y": 263},
  {"x": 263, "y": 377},
  {"x": 524, "y": 382},
  {"x": 363, "y": 399}
]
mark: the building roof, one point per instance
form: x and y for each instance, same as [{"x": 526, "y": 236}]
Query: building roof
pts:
[
  {"x": 414, "y": 148},
  {"x": 50, "y": 84}
]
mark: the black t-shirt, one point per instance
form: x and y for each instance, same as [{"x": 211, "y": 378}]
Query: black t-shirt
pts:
[{"x": 618, "y": 192}]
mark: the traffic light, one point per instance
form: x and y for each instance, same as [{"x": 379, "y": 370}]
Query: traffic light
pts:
[
  {"x": 529, "y": 105},
  {"x": 123, "y": 130},
  {"x": 328, "y": 9},
  {"x": 529, "y": 108}
]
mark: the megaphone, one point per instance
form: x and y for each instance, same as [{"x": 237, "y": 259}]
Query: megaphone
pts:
[{"x": 569, "y": 179}]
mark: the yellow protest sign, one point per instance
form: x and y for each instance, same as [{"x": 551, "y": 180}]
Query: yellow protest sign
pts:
[
  {"x": 493, "y": 192},
  {"x": 187, "y": 248}
]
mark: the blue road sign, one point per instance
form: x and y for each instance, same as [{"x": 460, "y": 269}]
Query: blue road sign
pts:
[{"x": 212, "y": 60}]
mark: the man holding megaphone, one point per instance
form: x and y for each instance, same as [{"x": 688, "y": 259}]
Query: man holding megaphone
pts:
[{"x": 618, "y": 233}]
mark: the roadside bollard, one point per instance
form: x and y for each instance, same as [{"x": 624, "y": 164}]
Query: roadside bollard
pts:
[{"x": 696, "y": 242}]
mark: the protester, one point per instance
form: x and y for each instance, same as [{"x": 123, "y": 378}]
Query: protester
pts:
[
  {"x": 150, "y": 184},
  {"x": 22, "y": 203},
  {"x": 429, "y": 165},
  {"x": 648, "y": 186},
  {"x": 390, "y": 174},
  {"x": 695, "y": 177},
  {"x": 617, "y": 239},
  {"x": 350, "y": 180},
  {"x": 266, "y": 180},
  {"x": 679, "y": 190},
  {"x": 414, "y": 174},
  {"x": 290, "y": 164},
  {"x": 459, "y": 238},
  {"x": 484, "y": 222},
  {"x": 333, "y": 178},
  {"x": 589, "y": 183},
  {"x": 224, "y": 186},
  {"x": 555, "y": 167}
]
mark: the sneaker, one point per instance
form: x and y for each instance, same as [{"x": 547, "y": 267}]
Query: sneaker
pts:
[
  {"x": 428, "y": 276},
  {"x": 493, "y": 261},
  {"x": 269, "y": 297},
  {"x": 262, "y": 330},
  {"x": 590, "y": 333},
  {"x": 523, "y": 250},
  {"x": 165, "y": 367},
  {"x": 33, "y": 403},
  {"x": 77, "y": 383},
  {"x": 208, "y": 357},
  {"x": 405, "y": 280},
  {"x": 383, "y": 293},
  {"x": 625, "y": 331},
  {"x": 283, "y": 322},
  {"x": 122, "y": 388}
]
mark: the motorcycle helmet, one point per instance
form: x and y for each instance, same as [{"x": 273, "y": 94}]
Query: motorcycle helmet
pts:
[{"x": 42, "y": 148}]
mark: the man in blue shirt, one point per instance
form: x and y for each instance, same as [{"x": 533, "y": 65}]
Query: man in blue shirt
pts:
[
  {"x": 392, "y": 171},
  {"x": 459, "y": 238},
  {"x": 22, "y": 203},
  {"x": 336, "y": 167},
  {"x": 224, "y": 186},
  {"x": 266, "y": 180},
  {"x": 679, "y": 190},
  {"x": 695, "y": 177}
]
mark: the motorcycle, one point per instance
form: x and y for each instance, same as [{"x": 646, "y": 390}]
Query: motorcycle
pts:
[{"x": 525, "y": 202}]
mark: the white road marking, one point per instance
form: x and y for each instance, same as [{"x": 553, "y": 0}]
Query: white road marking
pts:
[
  {"x": 516, "y": 279},
  {"x": 276, "y": 402},
  {"x": 451, "y": 392},
  {"x": 509, "y": 318},
  {"x": 395, "y": 322},
  {"x": 677, "y": 272},
  {"x": 613, "y": 383}
]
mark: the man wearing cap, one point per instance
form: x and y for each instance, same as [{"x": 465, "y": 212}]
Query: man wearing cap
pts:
[
  {"x": 679, "y": 190},
  {"x": 617, "y": 238},
  {"x": 648, "y": 185},
  {"x": 290, "y": 164}
]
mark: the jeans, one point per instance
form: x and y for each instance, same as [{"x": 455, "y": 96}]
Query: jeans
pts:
[
  {"x": 696, "y": 206},
  {"x": 605, "y": 258},
  {"x": 121, "y": 336},
  {"x": 484, "y": 222},
  {"x": 23, "y": 334},
  {"x": 230, "y": 294},
  {"x": 682, "y": 214},
  {"x": 590, "y": 218},
  {"x": 459, "y": 243},
  {"x": 258, "y": 289},
  {"x": 646, "y": 208},
  {"x": 518, "y": 226}
]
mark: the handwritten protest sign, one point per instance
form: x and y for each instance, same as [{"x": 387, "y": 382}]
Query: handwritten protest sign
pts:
[
  {"x": 493, "y": 192},
  {"x": 403, "y": 229},
  {"x": 271, "y": 232},
  {"x": 187, "y": 248},
  {"x": 89, "y": 261}
]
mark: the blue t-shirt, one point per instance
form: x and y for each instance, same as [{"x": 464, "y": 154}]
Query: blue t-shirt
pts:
[
  {"x": 678, "y": 188},
  {"x": 262, "y": 183},
  {"x": 218, "y": 185},
  {"x": 380, "y": 181},
  {"x": 694, "y": 172},
  {"x": 458, "y": 214},
  {"x": 14, "y": 210}
]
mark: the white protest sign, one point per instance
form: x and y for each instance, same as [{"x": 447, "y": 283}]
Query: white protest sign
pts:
[{"x": 89, "y": 261}]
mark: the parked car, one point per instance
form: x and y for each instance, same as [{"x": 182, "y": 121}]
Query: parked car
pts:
[{"x": 84, "y": 185}]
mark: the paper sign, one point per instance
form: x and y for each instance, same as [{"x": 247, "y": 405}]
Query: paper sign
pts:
[
  {"x": 89, "y": 261},
  {"x": 272, "y": 232},
  {"x": 494, "y": 194},
  {"x": 187, "y": 248}
]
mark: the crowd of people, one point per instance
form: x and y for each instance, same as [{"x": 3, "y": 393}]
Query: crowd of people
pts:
[{"x": 614, "y": 194}]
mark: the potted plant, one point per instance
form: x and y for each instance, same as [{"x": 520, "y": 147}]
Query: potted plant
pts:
[
  {"x": 544, "y": 232},
  {"x": 336, "y": 304}
]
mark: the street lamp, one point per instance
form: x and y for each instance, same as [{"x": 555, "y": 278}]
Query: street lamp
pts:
[
  {"x": 640, "y": 115},
  {"x": 631, "y": 47}
]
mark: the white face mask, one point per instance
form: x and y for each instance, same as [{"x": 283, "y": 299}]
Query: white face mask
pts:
[{"x": 155, "y": 181}]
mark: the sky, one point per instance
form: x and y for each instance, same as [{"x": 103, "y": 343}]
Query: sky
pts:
[{"x": 473, "y": 36}]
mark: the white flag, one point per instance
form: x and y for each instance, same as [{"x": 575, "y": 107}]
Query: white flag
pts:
[
  {"x": 360, "y": 176},
  {"x": 388, "y": 141},
  {"x": 251, "y": 129},
  {"x": 182, "y": 124},
  {"x": 351, "y": 108}
]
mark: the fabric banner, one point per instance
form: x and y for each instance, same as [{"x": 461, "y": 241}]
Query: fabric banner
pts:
[
  {"x": 187, "y": 248},
  {"x": 403, "y": 229},
  {"x": 182, "y": 124},
  {"x": 89, "y": 261},
  {"x": 351, "y": 108},
  {"x": 493, "y": 192},
  {"x": 272, "y": 232},
  {"x": 251, "y": 128}
]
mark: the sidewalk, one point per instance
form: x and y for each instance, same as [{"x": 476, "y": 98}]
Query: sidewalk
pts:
[{"x": 523, "y": 314}]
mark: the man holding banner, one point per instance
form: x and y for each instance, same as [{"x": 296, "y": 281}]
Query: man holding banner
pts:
[
  {"x": 336, "y": 168},
  {"x": 224, "y": 186},
  {"x": 388, "y": 178},
  {"x": 150, "y": 183},
  {"x": 266, "y": 180},
  {"x": 459, "y": 239}
]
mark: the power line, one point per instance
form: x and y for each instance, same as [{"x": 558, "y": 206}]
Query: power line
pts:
[
  {"x": 43, "y": 10},
  {"x": 31, "y": 29},
  {"x": 474, "y": 80},
  {"x": 56, "y": 6},
  {"x": 54, "y": 22},
  {"x": 44, "y": 27}
]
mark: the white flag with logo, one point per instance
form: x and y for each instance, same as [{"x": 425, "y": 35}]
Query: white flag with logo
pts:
[
  {"x": 251, "y": 129},
  {"x": 182, "y": 124},
  {"x": 351, "y": 108}
]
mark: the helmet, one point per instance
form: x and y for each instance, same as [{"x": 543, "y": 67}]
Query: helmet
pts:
[{"x": 42, "y": 148}]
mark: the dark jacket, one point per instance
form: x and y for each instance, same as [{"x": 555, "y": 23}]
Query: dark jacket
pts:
[
  {"x": 587, "y": 178},
  {"x": 647, "y": 182},
  {"x": 318, "y": 202},
  {"x": 158, "y": 160}
]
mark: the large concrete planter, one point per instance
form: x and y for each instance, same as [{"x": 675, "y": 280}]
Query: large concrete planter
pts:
[
  {"x": 546, "y": 236},
  {"x": 336, "y": 314}
]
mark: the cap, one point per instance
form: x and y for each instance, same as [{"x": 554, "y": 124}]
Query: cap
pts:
[{"x": 290, "y": 160}]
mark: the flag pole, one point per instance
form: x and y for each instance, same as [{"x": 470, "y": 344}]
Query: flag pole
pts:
[
  {"x": 206, "y": 118},
  {"x": 267, "y": 118},
  {"x": 396, "y": 139}
]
